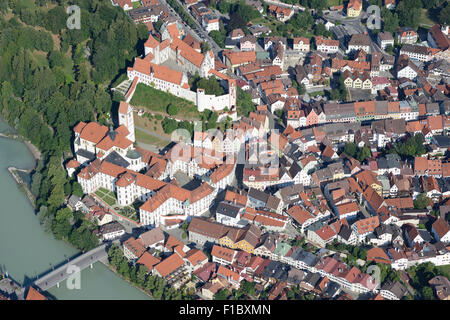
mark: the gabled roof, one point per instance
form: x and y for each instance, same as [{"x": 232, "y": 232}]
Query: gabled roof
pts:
[
  {"x": 441, "y": 227},
  {"x": 169, "y": 265},
  {"x": 148, "y": 260}
]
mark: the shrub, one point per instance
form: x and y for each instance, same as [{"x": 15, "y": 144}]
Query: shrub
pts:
[{"x": 172, "y": 110}]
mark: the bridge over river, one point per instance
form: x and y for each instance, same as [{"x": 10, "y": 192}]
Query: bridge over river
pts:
[{"x": 55, "y": 277}]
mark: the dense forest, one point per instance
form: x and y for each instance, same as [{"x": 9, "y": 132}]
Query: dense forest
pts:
[{"x": 52, "y": 77}]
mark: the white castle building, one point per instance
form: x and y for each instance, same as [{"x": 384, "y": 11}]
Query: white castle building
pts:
[{"x": 151, "y": 72}]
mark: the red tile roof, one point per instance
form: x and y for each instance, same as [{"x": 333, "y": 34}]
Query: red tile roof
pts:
[
  {"x": 169, "y": 265},
  {"x": 148, "y": 261},
  {"x": 93, "y": 132},
  {"x": 33, "y": 294}
]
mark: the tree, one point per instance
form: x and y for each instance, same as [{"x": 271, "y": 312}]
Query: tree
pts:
[
  {"x": 172, "y": 109},
  {"x": 36, "y": 183},
  {"x": 244, "y": 103},
  {"x": 205, "y": 47},
  {"x": 409, "y": 13},
  {"x": 67, "y": 189},
  {"x": 61, "y": 225},
  {"x": 412, "y": 147},
  {"x": 389, "y": 49},
  {"x": 428, "y": 294},
  {"x": 157, "y": 25},
  {"x": 350, "y": 149},
  {"x": 390, "y": 20},
  {"x": 422, "y": 201},
  {"x": 222, "y": 295},
  {"x": 363, "y": 153},
  {"x": 248, "y": 288},
  {"x": 218, "y": 37},
  {"x": 444, "y": 15},
  {"x": 77, "y": 189},
  {"x": 236, "y": 22},
  {"x": 169, "y": 125}
]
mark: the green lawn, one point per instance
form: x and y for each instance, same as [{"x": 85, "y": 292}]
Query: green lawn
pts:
[
  {"x": 108, "y": 196},
  {"x": 445, "y": 269},
  {"x": 331, "y": 3},
  {"x": 136, "y": 4},
  {"x": 316, "y": 93},
  {"x": 143, "y": 137},
  {"x": 156, "y": 100},
  {"x": 425, "y": 19}
]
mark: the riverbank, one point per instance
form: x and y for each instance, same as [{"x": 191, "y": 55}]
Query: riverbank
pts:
[
  {"x": 126, "y": 280},
  {"x": 22, "y": 184},
  {"x": 34, "y": 151},
  {"x": 13, "y": 170},
  {"x": 52, "y": 251}
]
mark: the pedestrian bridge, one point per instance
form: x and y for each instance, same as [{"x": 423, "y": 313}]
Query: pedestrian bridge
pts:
[{"x": 55, "y": 277}]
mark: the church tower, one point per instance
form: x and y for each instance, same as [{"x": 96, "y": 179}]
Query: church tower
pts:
[
  {"x": 126, "y": 119},
  {"x": 232, "y": 93}
]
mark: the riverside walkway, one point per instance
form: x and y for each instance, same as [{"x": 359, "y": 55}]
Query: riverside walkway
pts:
[{"x": 55, "y": 277}]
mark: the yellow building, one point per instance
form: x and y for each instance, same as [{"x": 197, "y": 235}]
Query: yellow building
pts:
[
  {"x": 217, "y": 143},
  {"x": 354, "y": 8}
]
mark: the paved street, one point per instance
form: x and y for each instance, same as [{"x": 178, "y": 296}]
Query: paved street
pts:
[{"x": 200, "y": 34}]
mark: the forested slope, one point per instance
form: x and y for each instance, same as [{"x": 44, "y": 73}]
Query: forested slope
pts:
[{"x": 50, "y": 79}]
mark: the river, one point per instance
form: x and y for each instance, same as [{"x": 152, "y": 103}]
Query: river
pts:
[{"x": 26, "y": 251}]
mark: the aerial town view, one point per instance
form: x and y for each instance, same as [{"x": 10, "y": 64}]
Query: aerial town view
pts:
[{"x": 251, "y": 150}]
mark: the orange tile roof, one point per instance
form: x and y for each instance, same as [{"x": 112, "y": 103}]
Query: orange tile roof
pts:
[
  {"x": 187, "y": 52},
  {"x": 122, "y": 130},
  {"x": 327, "y": 42},
  {"x": 173, "y": 242},
  {"x": 446, "y": 169},
  {"x": 303, "y": 39},
  {"x": 228, "y": 274},
  {"x": 79, "y": 126},
  {"x": 33, "y": 294},
  {"x": 221, "y": 172},
  {"x": 235, "y": 197},
  {"x": 367, "y": 225},
  {"x": 173, "y": 31},
  {"x": 241, "y": 57},
  {"x": 72, "y": 164},
  {"x": 123, "y": 107},
  {"x": 119, "y": 141},
  {"x": 169, "y": 265},
  {"x": 347, "y": 208},
  {"x": 151, "y": 42},
  {"x": 135, "y": 246},
  {"x": 223, "y": 253},
  {"x": 378, "y": 255},
  {"x": 195, "y": 256},
  {"x": 400, "y": 203},
  {"x": 125, "y": 180},
  {"x": 300, "y": 215},
  {"x": 435, "y": 122},
  {"x": 93, "y": 132},
  {"x": 148, "y": 260},
  {"x": 160, "y": 72},
  {"x": 373, "y": 198}
]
